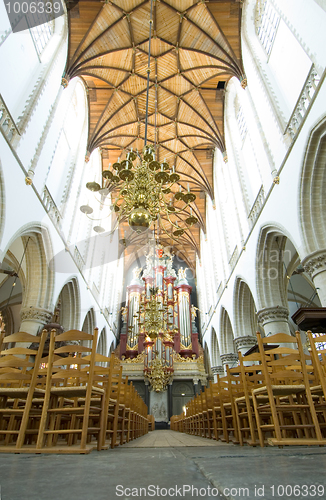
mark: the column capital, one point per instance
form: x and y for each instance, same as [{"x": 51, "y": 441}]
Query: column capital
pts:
[
  {"x": 37, "y": 314},
  {"x": 272, "y": 314},
  {"x": 245, "y": 342},
  {"x": 315, "y": 263},
  {"x": 217, "y": 370},
  {"x": 229, "y": 358}
]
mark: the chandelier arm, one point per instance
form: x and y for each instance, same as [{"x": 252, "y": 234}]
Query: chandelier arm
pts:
[
  {"x": 102, "y": 203},
  {"x": 180, "y": 210},
  {"x": 98, "y": 218},
  {"x": 171, "y": 222},
  {"x": 170, "y": 235},
  {"x": 175, "y": 211},
  {"x": 186, "y": 238}
]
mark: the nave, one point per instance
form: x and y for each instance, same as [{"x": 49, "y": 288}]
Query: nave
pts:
[{"x": 166, "y": 463}]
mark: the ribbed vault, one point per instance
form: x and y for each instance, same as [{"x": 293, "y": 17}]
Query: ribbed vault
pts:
[{"x": 195, "y": 49}]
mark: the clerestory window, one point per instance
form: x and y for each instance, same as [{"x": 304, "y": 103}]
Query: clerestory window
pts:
[
  {"x": 41, "y": 34},
  {"x": 267, "y": 22}
]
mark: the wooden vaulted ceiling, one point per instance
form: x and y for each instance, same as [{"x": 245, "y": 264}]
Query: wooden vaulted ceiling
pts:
[{"x": 195, "y": 49}]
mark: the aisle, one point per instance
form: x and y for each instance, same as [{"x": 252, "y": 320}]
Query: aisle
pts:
[{"x": 170, "y": 439}]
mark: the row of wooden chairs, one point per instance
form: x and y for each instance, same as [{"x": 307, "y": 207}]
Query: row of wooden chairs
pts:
[
  {"x": 71, "y": 401},
  {"x": 275, "y": 396}
]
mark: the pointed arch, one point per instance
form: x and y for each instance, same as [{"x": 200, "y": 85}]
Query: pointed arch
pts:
[
  {"x": 226, "y": 340},
  {"x": 312, "y": 191},
  {"x": 89, "y": 322},
  {"x": 102, "y": 343},
  {"x": 276, "y": 259},
  {"x": 215, "y": 350},
  {"x": 68, "y": 305},
  {"x": 32, "y": 246},
  {"x": 245, "y": 319}
]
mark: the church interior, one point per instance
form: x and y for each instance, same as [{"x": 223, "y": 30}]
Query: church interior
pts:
[{"x": 162, "y": 296}]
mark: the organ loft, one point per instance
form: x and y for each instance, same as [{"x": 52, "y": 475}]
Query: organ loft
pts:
[{"x": 159, "y": 346}]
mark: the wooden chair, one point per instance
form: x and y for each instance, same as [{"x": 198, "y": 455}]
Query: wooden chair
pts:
[
  {"x": 318, "y": 356},
  {"x": 2, "y": 335},
  {"x": 206, "y": 413},
  {"x": 235, "y": 389},
  {"x": 70, "y": 380},
  {"x": 191, "y": 412},
  {"x": 252, "y": 378},
  {"x": 289, "y": 416},
  {"x": 151, "y": 423},
  {"x": 198, "y": 416},
  {"x": 226, "y": 390},
  {"x": 209, "y": 402},
  {"x": 217, "y": 398},
  {"x": 114, "y": 409},
  {"x": 18, "y": 388}
]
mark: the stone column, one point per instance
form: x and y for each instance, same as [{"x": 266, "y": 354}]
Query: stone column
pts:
[
  {"x": 315, "y": 265},
  {"x": 217, "y": 370},
  {"x": 33, "y": 319},
  {"x": 274, "y": 320},
  {"x": 197, "y": 386},
  {"x": 230, "y": 359},
  {"x": 244, "y": 343}
]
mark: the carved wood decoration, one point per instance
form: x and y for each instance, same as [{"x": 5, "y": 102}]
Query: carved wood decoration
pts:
[{"x": 195, "y": 48}]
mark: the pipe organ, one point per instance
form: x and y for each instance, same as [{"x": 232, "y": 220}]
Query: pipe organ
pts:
[{"x": 159, "y": 338}]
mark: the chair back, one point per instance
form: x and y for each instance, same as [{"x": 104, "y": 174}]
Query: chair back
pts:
[{"x": 19, "y": 364}]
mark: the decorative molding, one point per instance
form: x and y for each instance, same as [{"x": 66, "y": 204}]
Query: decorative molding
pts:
[
  {"x": 7, "y": 124},
  {"x": 315, "y": 263},
  {"x": 229, "y": 358},
  {"x": 257, "y": 206},
  {"x": 234, "y": 258},
  {"x": 303, "y": 103},
  {"x": 50, "y": 207},
  {"x": 40, "y": 145},
  {"x": 245, "y": 342},
  {"x": 79, "y": 259},
  {"x": 42, "y": 81},
  {"x": 272, "y": 314},
  {"x": 218, "y": 370},
  {"x": 35, "y": 314}
]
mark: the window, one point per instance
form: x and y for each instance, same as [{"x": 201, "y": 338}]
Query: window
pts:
[
  {"x": 319, "y": 345},
  {"x": 267, "y": 24},
  {"x": 41, "y": 33},
  {"x": 242, "y": 124}
]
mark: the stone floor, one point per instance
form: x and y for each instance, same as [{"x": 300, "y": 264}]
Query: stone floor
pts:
[
  {"x": 169, "y": 439},
  {"x": 167, "y": 464}
]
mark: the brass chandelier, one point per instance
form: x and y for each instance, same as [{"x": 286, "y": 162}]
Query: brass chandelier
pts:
[
  {"x": 143, "y": 193},
  {"x": 145, "y": 188},
  {"x": 158, "y": 375},
  {"x": 153, "y": 316}
]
